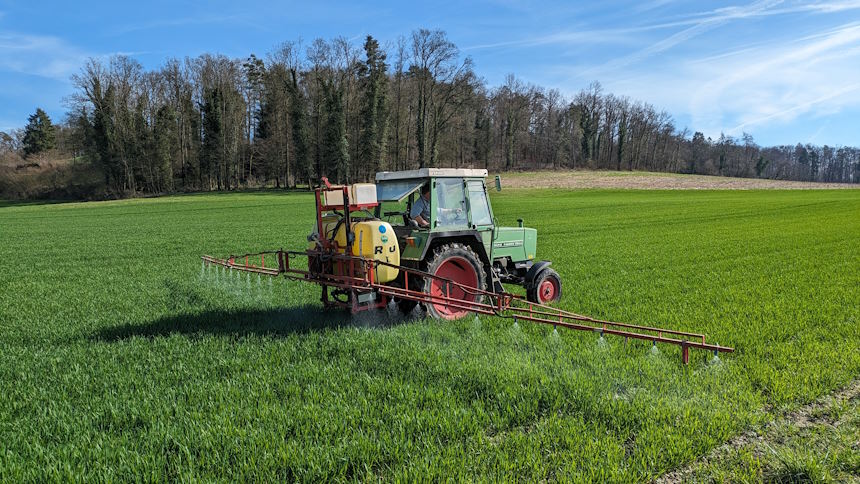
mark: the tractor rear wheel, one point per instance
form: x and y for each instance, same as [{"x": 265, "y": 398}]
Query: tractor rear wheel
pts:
[
  {"x": 457, "y": 263},
  {"x": 546, "y": 287}
]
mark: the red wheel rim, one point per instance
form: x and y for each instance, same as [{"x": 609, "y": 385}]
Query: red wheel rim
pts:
[
  {"x": 548, "y": 290},
  {"x": 459, "y": 270}
]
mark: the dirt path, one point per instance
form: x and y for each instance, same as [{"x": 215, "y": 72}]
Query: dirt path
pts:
[
  {"x": 652, "y": 181},
  {"x": 771, "y": 434}
]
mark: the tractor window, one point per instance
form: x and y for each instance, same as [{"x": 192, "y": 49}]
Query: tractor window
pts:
[
  {"x": 395, "y": 213},
  {"x": 450, "y": 202},
  {"x": 478, "y": 205},
  {"x": 398, "y": 190}
]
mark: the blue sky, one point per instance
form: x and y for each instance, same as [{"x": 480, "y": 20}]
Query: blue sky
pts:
[{"x": 783, "y": 71}]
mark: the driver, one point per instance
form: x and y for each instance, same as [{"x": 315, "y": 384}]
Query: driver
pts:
[
  {"x": 420, "y": 211},
  {"x": 421, "y": 208}
]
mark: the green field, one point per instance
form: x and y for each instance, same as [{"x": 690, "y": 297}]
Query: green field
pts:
[{"x": 120, "y": 358}]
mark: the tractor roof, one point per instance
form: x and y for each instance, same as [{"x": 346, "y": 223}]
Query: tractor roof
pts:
[{"x": 431, "y": 173}]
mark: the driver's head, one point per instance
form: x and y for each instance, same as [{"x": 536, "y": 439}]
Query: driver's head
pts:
[{"x": 425, "y": 191}]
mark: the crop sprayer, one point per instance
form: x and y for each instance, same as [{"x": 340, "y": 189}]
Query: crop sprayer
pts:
[{"x": 368, "y": 250}]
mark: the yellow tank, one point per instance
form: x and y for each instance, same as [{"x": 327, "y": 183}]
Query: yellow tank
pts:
[{"x": 374, "y": 239}]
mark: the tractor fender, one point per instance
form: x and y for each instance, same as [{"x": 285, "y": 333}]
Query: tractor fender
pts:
[
  {"x": 533, "y": 272},
  {"x": 468, "y": 237}
]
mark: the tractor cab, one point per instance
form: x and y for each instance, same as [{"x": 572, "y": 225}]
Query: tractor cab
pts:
[
  {"x": 397, "y": 192},
  {"x": 457, "y": 200}
]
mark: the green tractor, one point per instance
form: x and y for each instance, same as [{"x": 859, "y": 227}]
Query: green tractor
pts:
[{"x": 457, "y": 238}]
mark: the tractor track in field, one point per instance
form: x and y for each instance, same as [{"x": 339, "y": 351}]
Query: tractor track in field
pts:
[{"x": 804, "y": 416}]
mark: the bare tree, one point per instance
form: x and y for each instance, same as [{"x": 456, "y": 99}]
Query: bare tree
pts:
[{"x": 442, "y": 82}]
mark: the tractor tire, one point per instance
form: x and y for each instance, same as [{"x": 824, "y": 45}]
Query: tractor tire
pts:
[
  {"x": 459, "y": 263},
  {"x": 546, "y": 287}
]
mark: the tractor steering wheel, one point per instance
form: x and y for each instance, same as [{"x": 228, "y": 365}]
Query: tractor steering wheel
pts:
[{"x": 404, "y": 215}]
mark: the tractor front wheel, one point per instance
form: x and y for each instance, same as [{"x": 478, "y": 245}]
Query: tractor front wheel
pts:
[
  {"x": 459, "y": 264},
  {"x": 546, "y": 287}
]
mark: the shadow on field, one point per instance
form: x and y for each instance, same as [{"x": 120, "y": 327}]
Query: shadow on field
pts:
[
  {"x": 26, "y": 203},
  {"x": 243, "y": 322}
]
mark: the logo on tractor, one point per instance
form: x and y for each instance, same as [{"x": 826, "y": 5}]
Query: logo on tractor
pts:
[
  {"x": 377, "y": 249},
  {"x": 382, "y": 230},
  {"x": 514, "y": 243},
  {"x": 384, "y": 238}
]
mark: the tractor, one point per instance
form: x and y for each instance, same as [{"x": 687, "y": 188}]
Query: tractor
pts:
[{"x": 461, "y": 241}]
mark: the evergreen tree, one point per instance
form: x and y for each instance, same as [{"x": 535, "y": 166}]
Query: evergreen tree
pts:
[
  {"x": 622, "y": 137},
  {"x": 374, "y": 115},
  {"x": 213, "y": 128},
  {"x": 510, "y": 138},
  {"x": 588, "y": 131},
  {"x": 267, "y": 135},
  {"x": 162, "y": 140},
  {"x": 814, "y": 162},
  {"x": 254, "y": 71},
  {"x": 140, "y": 151},
  {"x": 40, "y": 134},
  {"x": 760, "y": 166},
  {"x": 298, "y": 123},
  {"x": 482, "y": 138},
  {"x": 104, "y": 135},
  {"x": 335, "y": 147},
  {"x": 189, "y": 141},
  {"x": 698, "y": 147}
]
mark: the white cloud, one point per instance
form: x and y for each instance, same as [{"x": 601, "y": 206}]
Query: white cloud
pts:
[
  {"x": 788, "y": 113},
  {"x": 699, "y": 27},
  {"x": 816, "y": 75},
  {"x": 38, "y": 55},
  {"x": 751, "y": 12},
  {"x": 829, "y": 7},
  {"x": 697, "y": 24},
  {"x": 575, "y": 37},
  {"x": 170, "y": 23},
  {"x": 652, "y": 5},
  {"x": 756, "y": 85},
  {"x": 813, "y": 138}
]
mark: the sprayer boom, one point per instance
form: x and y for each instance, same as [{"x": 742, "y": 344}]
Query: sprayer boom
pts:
[{"x": 352, "y": 278}]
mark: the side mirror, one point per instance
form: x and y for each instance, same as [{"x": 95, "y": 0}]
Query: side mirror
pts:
[{"x": 498, "y": 183}]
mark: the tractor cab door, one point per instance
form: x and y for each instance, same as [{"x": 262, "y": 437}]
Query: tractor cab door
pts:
[
  {"x": 448, "y": 205},
  {"x": 480, "y": 214}
]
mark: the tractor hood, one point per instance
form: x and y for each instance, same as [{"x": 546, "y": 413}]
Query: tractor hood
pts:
[{"x": 518, "y": 243}]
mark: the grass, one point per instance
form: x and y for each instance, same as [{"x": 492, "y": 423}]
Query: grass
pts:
[
  {"x": 823, "y": 448},
  {"x": 120, "y": 359}
]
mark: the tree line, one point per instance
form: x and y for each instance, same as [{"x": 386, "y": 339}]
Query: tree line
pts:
[{"x": 337, "y": 109}]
